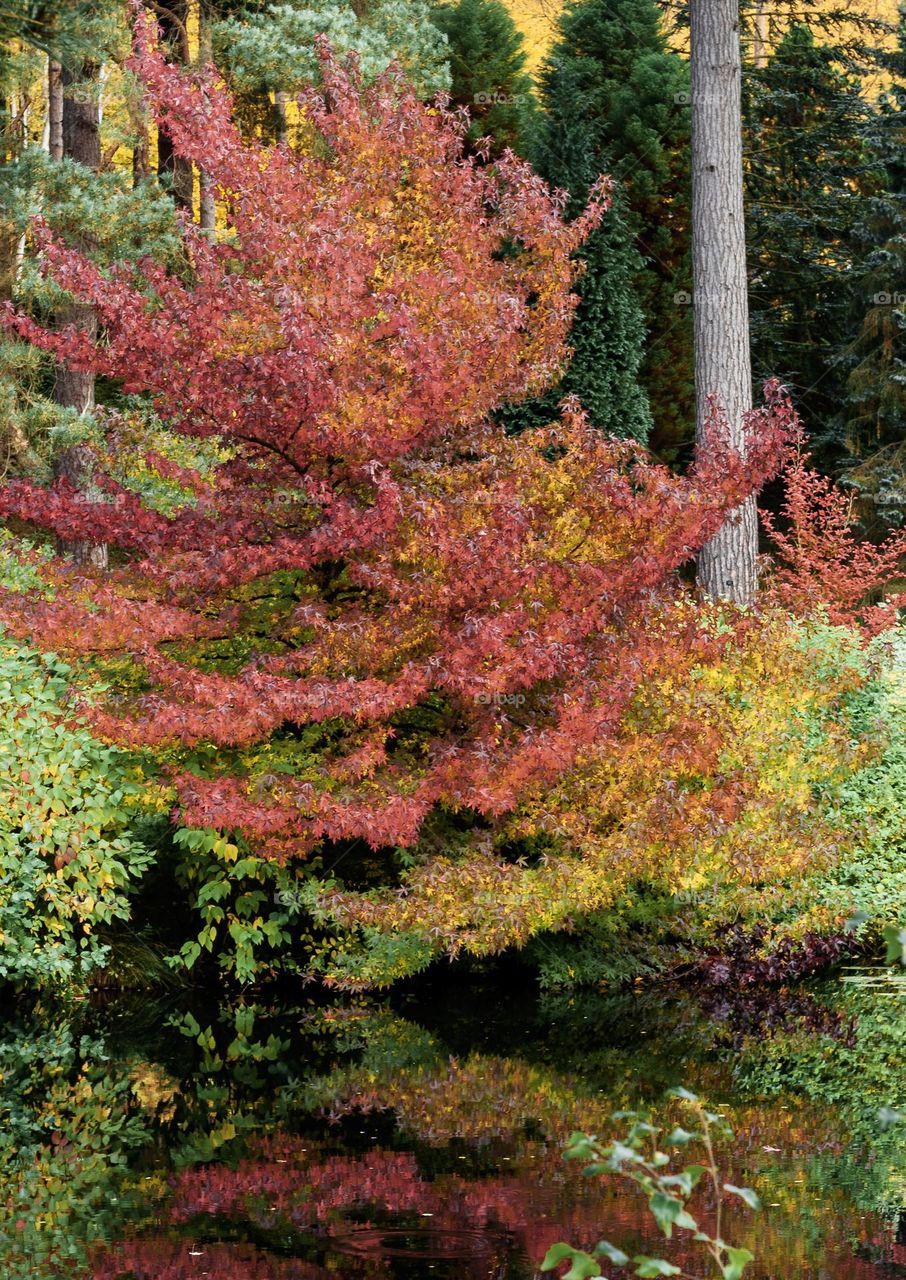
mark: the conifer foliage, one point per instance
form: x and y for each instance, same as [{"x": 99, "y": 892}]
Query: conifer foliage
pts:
[
  {"x": 616, "y": 100},
  {"x": 466, "y": 611}
]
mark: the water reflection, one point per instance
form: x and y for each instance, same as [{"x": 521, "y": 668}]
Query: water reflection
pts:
[{"x": 424, "y": 1141}]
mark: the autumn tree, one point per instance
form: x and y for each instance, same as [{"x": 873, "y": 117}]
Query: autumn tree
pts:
[
  {"x": 821, "y": 564},
  {"x": 461, "y": 613}
]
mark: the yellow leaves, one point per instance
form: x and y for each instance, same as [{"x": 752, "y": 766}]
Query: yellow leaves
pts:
[
  {"x": 154, "y": 1090},
  {"x": 714, "y": 778},
  {"x": 223, "y": 848}
]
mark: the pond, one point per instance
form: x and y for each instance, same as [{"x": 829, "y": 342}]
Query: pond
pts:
[{"x": 420, "y": 1136}]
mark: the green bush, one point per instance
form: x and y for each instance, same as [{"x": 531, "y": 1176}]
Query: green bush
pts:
[{"x": 69, "y": 855}]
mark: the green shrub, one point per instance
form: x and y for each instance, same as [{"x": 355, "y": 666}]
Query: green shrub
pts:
[{"x": 69, "y": 855}]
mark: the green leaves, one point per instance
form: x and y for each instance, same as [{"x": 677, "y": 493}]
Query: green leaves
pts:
[
  {"x": 669, "y": 1212},
  {"x": 638, "y": 1157},
  {"x": 745, "y": 1194},
  {"x": 895, "y": 938},
  {"x": 612, "y": 1253},
  {"x": 70, "y": 810},
  {"x": 680, "y": 1137},
  {"x": 738, "y": 1261},
  {"x": 582, "y": 1265},
  {"x": 687, "y": 1180},
  {"x": 649, "y": 1268},
  {"x": 685, "y": 1095}
]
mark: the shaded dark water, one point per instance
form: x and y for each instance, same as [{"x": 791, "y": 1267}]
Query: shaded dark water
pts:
[{"x": 421, "y": 1138}]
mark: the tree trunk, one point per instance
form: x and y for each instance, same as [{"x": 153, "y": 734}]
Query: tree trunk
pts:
[
  {"x": 141, "y": 142},
  {"x": 54, "y": 110},
  {"x": 727, "y": 564},
  {"x": 141, "y": 163},
  {"x": 174, "y": 170},
  {"x": 280, "y": 125},
  {"x": 760, "y": 42},
  {"x": 74, "y": 389},
  {"x": 207, "y": 205}
]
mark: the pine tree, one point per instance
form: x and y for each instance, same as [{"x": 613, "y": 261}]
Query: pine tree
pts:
[
  {"x": 271, "y": 52},
  {"x": 871, "y": 422},
  {"x": 487, "y": 70},
  {"x": 809, "y": 172},
  {"x": 607, "y": 340},
  {"x": 616, "y": 101}
]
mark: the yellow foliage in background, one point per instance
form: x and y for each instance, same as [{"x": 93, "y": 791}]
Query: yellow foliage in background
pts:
[{"x": 537, "y": 19}]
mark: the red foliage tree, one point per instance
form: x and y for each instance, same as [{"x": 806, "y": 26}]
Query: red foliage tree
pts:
[
  {"x": 377, "y": 295},
  {"x": 822, "y": 564}
]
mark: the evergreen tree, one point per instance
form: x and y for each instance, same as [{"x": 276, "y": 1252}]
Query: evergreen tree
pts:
[
  {"x": 871, "y": 423},
  {"x": 616, "y": 101},
  {"x": 271, "y": 52},
  {"x": 810, "y": 170},
  {"x": 487, "y": 72},
  {"x": 607, "y": 340}
]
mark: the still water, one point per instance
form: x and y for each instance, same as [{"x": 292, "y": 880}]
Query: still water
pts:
[{"x": 420, "y": 1137}]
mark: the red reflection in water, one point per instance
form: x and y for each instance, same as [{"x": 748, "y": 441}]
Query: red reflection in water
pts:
[
  {"x": 367, "y": 1210},
  {"x": 163, "y": 1259}
]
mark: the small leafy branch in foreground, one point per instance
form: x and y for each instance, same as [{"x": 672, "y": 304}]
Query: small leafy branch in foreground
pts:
[
  {"x": 639, "y": 1157},
  {"x": 895, "y": 937}
]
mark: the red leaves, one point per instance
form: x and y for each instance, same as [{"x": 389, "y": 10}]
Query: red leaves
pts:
[{"x": 822, "y": 565}]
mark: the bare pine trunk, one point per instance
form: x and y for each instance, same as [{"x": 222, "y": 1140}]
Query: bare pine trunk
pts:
[
  {"x": 281, "y": 129},
  {"x": 54, "y": 110},
  {"x": 760, "y": 44},
  {"x": 73, "y": 389},
  {"x": 726, "y": 564},
  {"x": 207, "y": 205},
  {"x": 141, "y": 146}
]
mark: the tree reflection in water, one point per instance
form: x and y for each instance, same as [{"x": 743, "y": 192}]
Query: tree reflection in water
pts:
[{"x": 351, "y": 1142}]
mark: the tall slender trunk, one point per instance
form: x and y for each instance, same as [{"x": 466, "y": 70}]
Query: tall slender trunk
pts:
[
  {"x": 141, "y": 162},
  {"x": 207, "y": 205},
  {"x": 54, "y": 128},
  {"x": 141, "y": 142},
  {"x": 8, "y": 234},
  {"x": 74, "y": 389},
  {"x": 175, "y": 170},
  {"x": 22, "y": 110},
  {"x": 760, "y": 42},
  {"x": 727, "y": 564},
  {"x": 281, "y": 128}
]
